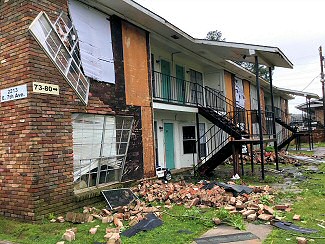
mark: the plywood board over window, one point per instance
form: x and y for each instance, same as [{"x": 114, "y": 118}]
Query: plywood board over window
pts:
[{"x": 94, "y": 32}]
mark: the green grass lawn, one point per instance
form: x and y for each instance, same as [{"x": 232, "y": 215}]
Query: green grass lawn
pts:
[
  {"x": 310, "y": 205},
  {"x": 180, "y": 225}
]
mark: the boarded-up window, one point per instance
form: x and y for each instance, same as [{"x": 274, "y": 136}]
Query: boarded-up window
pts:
[
  {"x": 94, "y": 31},
  {"x": 99, "y": 148}
]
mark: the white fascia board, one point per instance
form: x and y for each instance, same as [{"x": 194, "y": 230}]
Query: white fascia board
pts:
[{"x": 172, "y": 107}]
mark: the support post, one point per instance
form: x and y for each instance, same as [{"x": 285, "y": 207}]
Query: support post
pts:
[
  {"x": 252, "y": 159},
  {"x": 273, "y": 121},
  {"x": 311, "y": 143},
  {"x": 242, "y": 161},
  {"x": 234, "y": 158},
  {"x": 198, "y": 137},
  {"x": 259, "y": 115},
  {"x": 309, "y": 121},
  {"x": 322, "y": 81}
]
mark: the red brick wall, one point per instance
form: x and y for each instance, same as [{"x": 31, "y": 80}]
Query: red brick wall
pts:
[
  {"x": 318, "y": 136},
  {"x": 36, "y": 160}
]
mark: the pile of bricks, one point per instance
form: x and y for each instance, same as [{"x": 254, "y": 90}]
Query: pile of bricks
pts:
[
  {"x": 179, "y": 193},
  {"x": 188, "y": 194},
  {"x": 269, "y": 157}
]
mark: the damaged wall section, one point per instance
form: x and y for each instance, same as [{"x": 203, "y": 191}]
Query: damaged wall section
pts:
[
  {"x": 130, "y": 95},
  {"x": 138, "y": 86}
]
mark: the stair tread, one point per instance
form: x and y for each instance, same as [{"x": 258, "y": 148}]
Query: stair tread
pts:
[{"x": 221, "y": 121}]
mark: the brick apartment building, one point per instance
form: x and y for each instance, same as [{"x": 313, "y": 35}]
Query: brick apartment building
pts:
[{"x": 93, "y": 91}]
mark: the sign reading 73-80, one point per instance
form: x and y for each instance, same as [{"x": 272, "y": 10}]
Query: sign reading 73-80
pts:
[
  {"x": 45, "y": 88},
  {"x": 13, "y": 93}
]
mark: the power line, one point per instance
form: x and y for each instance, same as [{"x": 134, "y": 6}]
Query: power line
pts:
[{"x": 310, "y": 82}]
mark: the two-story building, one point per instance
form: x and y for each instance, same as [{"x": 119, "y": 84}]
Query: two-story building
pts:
[{"x": 98, "y": 93}]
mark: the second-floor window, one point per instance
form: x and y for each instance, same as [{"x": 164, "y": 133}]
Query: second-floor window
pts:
[{"x": 196, "y": 77}]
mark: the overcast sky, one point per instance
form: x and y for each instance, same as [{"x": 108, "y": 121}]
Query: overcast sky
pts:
[{"x": 295, "y": 26}]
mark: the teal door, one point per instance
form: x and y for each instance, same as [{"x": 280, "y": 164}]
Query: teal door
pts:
[
  {"x": 169, "y": 145},
  {"x": 165, "y": 80},
  {"x": 180, "y": 76}
]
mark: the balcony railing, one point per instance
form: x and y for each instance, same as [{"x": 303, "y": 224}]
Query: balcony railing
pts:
[
  {"x": 170, "y": 89},
  {"x": 277, "y": 112},
  {"x": 177, "y": 91}
]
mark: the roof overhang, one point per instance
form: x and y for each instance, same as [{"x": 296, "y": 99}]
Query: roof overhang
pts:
[
  {"x": 313, "y": 104},
  {"x": 298, "y": 93},
  {"x": 215, "y": 51},
  {"x": 269, "y": 56}
]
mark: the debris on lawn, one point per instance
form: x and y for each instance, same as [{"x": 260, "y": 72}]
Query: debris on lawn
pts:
[
  {"x": 93, "y": 231},
  {"x": 301, "y": 240},
  {"x": 69, "y": 235},
  {"x": 150, "y": 222},
  {"x": 77, "y": 218},
  {"x": 240, "y": 199},
  {"x": 118, "y": 197},
  {"x": 236, "y": 189},
  {"x": 296, "y": 217},
  {"x": 290, "y": 226},
  {"x": 126, "y": 210},
  {"x": 270, "y": 157}
]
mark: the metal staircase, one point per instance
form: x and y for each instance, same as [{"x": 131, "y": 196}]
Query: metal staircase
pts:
[
  {"x": 287, "y": 134},
  {"x": 227, "y": 132},
  {"x": 222, "y": 121},
  {"x": 284, "y": 137}
]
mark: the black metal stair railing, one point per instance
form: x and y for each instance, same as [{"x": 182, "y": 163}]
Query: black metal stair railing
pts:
[
  {"x": 178, "y": 91},
  {"x": 284, "y": 137},
  {"x": 211, "y": 142},
  {"x": 225, "y": 107}
]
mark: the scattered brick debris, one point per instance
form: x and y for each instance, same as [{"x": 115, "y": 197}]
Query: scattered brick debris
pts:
[
  {"x": 204, "y": 194},
  {"x": 296, "y": 217},
  {"x": 69, "y": 235}
]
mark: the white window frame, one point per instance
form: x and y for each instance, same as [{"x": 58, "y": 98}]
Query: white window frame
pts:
[
  {"x": 60, "y": 43},
  {"x": 99, "y": 140}
]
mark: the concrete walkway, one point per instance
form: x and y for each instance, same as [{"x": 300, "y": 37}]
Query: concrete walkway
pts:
[{"x": 260, "y": 231}]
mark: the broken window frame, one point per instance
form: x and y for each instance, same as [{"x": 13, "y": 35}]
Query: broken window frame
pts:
[
  {"x": 62, "y": 49},
  {"x": 84, "y": 166}
]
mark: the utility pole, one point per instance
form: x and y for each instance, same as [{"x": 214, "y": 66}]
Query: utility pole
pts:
[{"x": 322, "y": 80}]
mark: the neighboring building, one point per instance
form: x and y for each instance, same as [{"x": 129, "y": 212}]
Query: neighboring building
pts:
[
  {"x": 311, "y": 110},
  {"x": 105, "y": 100}
]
